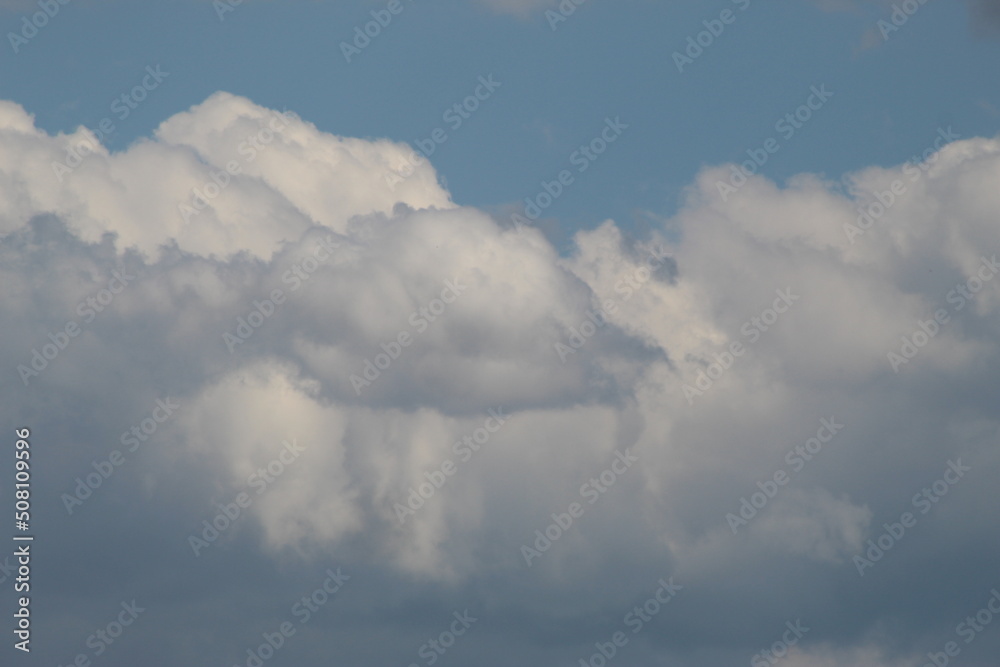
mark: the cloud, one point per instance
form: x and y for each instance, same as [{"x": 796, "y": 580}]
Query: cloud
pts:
[
  {"x": 336, "y": 177},
  {"x": 987, "y": 10},
  {"x": 517, "y": 7},
  {"x": 16, "y": 5},
  {"x": 983, "y": 11},
  {"x": 377, "y": 324},
  {"x": 828, "y": 656}
]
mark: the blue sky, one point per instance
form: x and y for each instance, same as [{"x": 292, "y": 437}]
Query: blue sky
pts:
[{"x": 557, "y": 86}]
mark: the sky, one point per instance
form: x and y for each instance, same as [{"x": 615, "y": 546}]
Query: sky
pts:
[{"x": 500, "y": 333}]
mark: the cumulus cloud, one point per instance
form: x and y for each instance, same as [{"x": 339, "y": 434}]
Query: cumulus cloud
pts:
[
  {"x": 377, "y": 323},
  {"x": 75, "y": 178}
]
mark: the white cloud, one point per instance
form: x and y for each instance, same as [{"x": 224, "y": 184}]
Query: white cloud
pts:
[
  {"x": 287, "y": 181},
  {"x": 830, "y": 656},
  {"x": 494, "y": 346}
]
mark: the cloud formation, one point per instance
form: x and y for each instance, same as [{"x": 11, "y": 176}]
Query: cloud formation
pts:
[
  {"x": 983, "y": 11},
  {"x": 747, "y": 341}
]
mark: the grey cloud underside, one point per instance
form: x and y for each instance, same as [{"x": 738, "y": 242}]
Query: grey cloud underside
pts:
[
  {"x": 494, "y": 347},
  {"x": 988, "y": 10},
  {"x": 983, "y": 11}
]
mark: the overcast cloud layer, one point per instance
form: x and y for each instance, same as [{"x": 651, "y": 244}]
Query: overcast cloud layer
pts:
[{"x": 405, "y": 323}]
